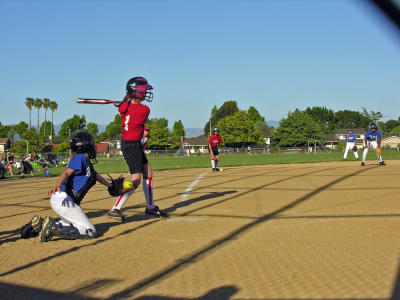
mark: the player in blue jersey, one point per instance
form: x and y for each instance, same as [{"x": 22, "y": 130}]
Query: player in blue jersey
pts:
[
  {"x": 350, "y": 143},
  {"x": 372, "y": 138},
  {"x": 71, "y": 187}
]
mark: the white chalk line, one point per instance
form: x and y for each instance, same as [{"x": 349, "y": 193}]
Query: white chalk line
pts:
[{"x": 191, "y": 186}]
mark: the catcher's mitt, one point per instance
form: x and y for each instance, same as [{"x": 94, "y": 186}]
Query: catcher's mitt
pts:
[
  {"x": 378, "y": 151},
  {"x": 117, "y": 186},
  {"x": 355, "y": 149}
]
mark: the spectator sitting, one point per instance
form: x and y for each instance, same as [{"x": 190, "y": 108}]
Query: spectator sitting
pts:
[
  {"x": 2, "y": 168},
  {"x": 38, "y": 160},
  {"x": 10, "y": 160},
  {"x": 52, "y": 158}
]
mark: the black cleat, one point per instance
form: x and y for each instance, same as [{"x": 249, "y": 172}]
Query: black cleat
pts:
[
  {"x": 155, "y": 212},
  {"x": 213, "y": 169},
  {"x": 382, "y": 163},
  {"x": 47, "y": 233},
  {"x": 216, "y": 169},
  {"x": 116, "y": 214},
  {"x": 362, "y": 164}
]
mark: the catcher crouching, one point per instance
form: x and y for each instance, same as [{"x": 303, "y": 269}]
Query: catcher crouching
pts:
[{"x": 65, "y": 198}]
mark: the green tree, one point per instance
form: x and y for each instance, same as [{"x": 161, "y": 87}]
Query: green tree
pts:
[
  {"x": 33, "y": 139},
  {"x": 101, "y": 137},
  {"x": 20, "y": 128},
  {"x": 4, "y": 129},
  {"x": 53, "y": 107},
  {"x": 92, "y": 129},
  {"x": 160, "y": 137},
  {"x": 76, "y": 123},
  {"x": 390, "y": 125},
  {"x": 38, "y": 104},
  {"x": 324, "y": 116},
  {"x": 29, "y": 103},
  {"x": 46, "y": 105},
  {"x": 298, "y": 128},
  {"x": 255, "y": 115},
  {"x": 227, "y": 109},
  {"x": 62, "y": 147},
  {"x": 45, "y": 127},
  {"x": 351, "y": 119},
  {"x": 238, "y": 130},
  {"x": 374, "y": 116},
  {"x": 396, "y": 130},
  {"x": 178, "y": 132},
  {"x": 113, "y": 129}
]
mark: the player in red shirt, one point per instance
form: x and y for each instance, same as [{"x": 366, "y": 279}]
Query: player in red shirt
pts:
[
  {"x": 134, "y": 115},
  {"x": 214, "y": 141}
]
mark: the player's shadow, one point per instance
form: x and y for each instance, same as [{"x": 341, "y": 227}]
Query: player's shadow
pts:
[
  {"x": 9, "y": 236},
  {"x": 221, "y": 293},
  {"x": 197, "y": 199},
  {"x": 102, "y": 228}
]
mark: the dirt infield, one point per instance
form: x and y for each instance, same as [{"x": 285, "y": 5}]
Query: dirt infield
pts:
[{"x": 312, "y": 231}]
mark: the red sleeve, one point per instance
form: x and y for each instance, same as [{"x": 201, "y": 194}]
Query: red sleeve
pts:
[{"x": 210, "y": 139}]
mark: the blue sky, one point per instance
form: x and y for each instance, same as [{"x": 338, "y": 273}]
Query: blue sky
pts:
[{"x": 274, "y": 55}]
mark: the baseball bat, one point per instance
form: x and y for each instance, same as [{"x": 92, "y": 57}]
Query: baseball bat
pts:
[{"x": 96, "y": 101}]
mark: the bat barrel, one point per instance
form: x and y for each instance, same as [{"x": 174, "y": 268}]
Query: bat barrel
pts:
[{"x": 96, "y": 101}]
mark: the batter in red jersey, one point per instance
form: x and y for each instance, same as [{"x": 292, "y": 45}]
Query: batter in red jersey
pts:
[
  {"x": 214, "y": 141},
  {"x": 134, "y": 115}
]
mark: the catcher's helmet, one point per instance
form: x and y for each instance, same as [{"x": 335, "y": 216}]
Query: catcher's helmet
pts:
[
  {"x": 373, "y": 126},
  {"x": 215, "y": 129},
  {"x": 83, "y": 142},
  {"x": 138, "y": 88}
]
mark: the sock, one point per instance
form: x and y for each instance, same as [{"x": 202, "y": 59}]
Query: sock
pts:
[
  {"x": 213, "y": 164},
  {"x": 122, "y": 199},
  {"x": 356, "y": 155},
  {"x": 148, "y": 192},
  {"x": 364, "y": 155},
  {"x": 380, "y": 158}
]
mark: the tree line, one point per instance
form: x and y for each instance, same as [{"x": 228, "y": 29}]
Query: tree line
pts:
[
  {"x": 238, "y": 127},
  {"x": 314, "y": 122}
]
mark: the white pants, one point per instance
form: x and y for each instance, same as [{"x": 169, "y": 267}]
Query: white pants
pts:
[
  {"x": 373, "y": 144},
  {"x": 349, "y": 146},
  {"x": 71, "y": 213}
]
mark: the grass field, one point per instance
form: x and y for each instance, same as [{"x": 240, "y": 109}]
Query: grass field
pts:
[{"x": 118, "y": 165}]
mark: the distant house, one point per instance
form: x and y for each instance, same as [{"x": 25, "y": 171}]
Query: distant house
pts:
[
  {"x": 391, "y": 142},
  {"x": 102, "y": 147},
  {"x": 340, "y": 135},
  {"x": 4, "y": 144}
]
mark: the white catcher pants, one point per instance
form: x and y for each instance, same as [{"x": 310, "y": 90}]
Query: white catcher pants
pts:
[
  {"x": 349, "y": 146},
  {"x": 71, "y": 213},
  {"x": 372, "y": 144}
]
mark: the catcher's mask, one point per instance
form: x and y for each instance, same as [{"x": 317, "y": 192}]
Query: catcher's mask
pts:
[
  {"x": 139, "y": 88},
  {"x": 83, "y": 142}
]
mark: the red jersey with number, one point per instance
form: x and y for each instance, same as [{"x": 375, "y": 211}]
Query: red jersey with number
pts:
[
  {"x": 132, "y": 122},
  {"x": 214, "y": 140}
]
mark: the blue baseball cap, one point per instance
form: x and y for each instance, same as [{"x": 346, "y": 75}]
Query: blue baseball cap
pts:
[
  {"x": 373, "y": 126},
  {"x": 350, "y": 129}
]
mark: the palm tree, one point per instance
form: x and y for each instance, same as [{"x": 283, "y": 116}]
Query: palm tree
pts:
[
  {"x": 53, "y": 107},
  {"x": 29, "y": 101},
  {"x": 46, "y": 105},
  {"x": 38, "y": 104}
]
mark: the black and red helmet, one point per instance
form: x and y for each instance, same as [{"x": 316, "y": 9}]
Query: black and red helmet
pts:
[
  {"x": 83, "y": 142},
  {"x": 139, "y": 88}
]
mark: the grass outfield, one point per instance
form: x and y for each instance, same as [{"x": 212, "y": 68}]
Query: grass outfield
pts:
[{"x": 118, "y": 165}]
